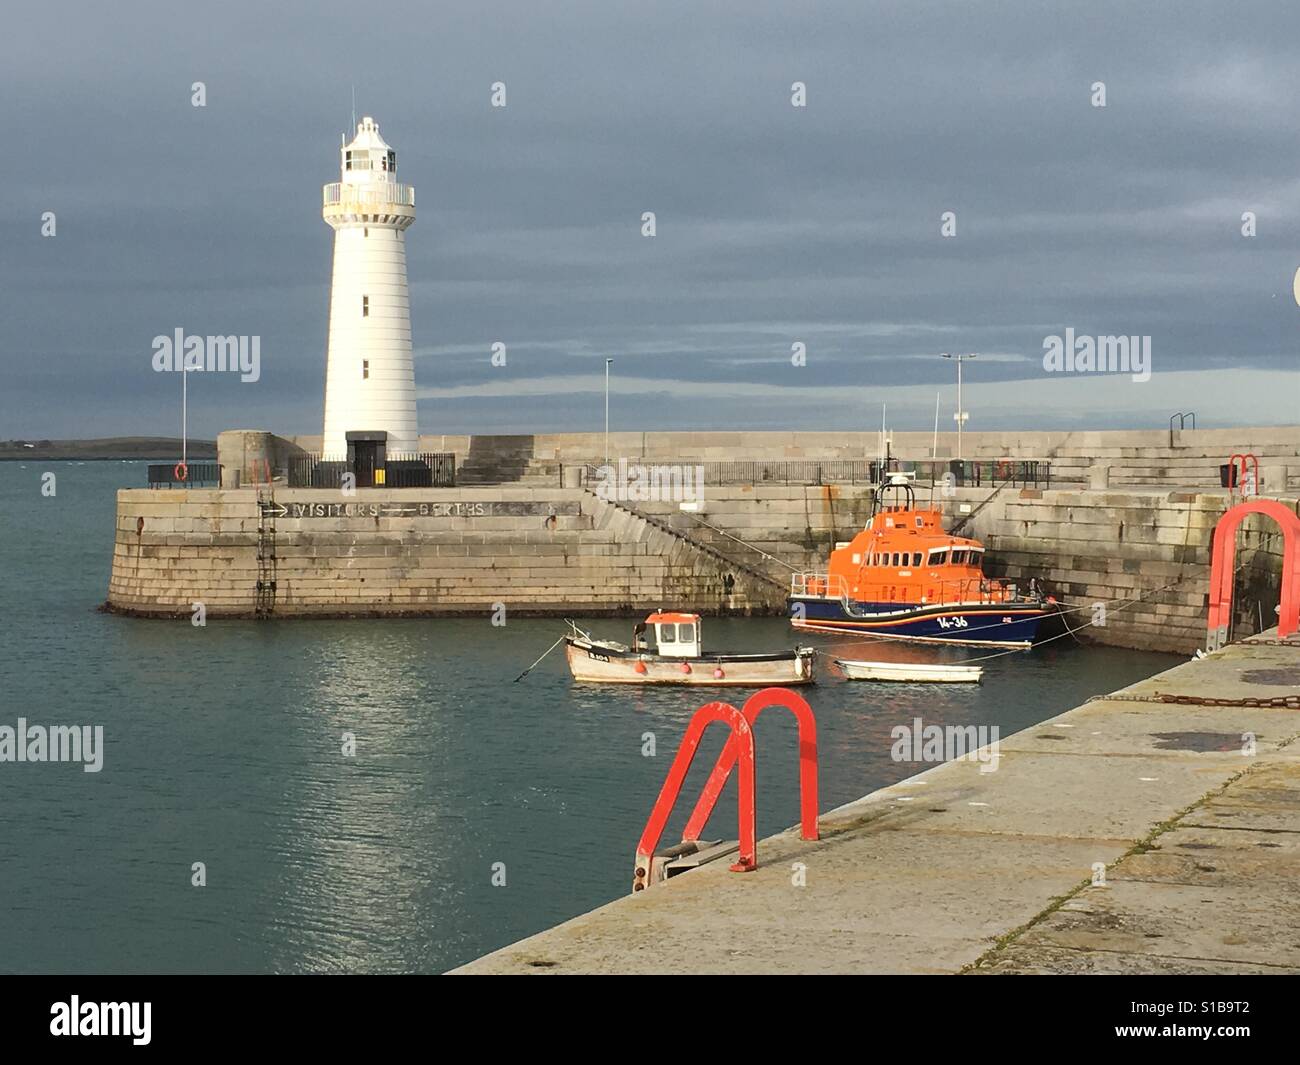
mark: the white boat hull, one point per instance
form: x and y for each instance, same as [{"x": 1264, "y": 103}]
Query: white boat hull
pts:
[
  {"x": 922, "y": 672},
  {"x": 597, "y": 664}
]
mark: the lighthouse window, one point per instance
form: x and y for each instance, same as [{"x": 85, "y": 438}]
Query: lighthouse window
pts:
[
  {"x": 365, "y": 306},
  {"x": 365, "y": 369}
]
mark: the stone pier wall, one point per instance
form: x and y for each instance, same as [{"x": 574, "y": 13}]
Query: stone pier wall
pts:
[
  {"x": 414, "y": 551},
  {"x": 1142, "y": 554}
]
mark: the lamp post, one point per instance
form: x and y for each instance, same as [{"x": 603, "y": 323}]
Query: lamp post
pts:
[
  {"x": 185, "y": 410},
  {"x": 961, "y": 415},
  {"x": 608, "y": 363}
]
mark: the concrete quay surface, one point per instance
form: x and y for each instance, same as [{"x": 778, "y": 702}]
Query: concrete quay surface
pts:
[{"x": 1128, "y": 835}]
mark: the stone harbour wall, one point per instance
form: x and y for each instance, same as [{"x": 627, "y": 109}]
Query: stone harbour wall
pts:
[
  {"x": 413, "y": 551},
  {"x": 1142, "y": 554}
]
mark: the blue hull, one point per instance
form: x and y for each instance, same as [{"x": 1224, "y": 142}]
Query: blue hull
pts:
[{"x": 992, "y": 624}]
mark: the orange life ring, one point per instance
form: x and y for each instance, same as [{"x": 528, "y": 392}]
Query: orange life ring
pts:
[{"x": 180, "y": 471}]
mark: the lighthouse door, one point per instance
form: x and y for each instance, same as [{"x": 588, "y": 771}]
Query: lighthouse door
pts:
[{"x": 367, "y": 453}]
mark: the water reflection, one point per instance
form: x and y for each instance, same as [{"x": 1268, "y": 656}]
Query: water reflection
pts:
[{"x": 223, "y": 744}]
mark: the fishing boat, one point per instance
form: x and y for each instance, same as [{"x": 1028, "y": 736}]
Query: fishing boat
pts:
[
  {"x": 676, "y": 658},
  {"x": 920, "y": 672},
  {"x": 904, "y": 578}
]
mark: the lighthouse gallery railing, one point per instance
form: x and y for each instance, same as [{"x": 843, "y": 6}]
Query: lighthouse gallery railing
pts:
[{"x": 340, "y": 193}]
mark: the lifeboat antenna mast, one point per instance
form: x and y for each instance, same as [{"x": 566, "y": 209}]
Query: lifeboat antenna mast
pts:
[{"x": 884, "y": 445}]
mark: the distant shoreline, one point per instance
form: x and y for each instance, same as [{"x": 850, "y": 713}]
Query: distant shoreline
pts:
[{"x": 105, "y": 449}]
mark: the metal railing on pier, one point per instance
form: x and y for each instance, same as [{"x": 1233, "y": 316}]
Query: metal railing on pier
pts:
[
  {"x": 183, "y": 475},
  {"x": 400, "y": 470},
  {"x": 980, "y": 473},
  {"x": 796, "y": 471},
  {"x": 974, "y": 473}
]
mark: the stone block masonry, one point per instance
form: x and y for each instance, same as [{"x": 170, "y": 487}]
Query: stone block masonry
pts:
[
  {"x": 1131, "y": 566},
  {"x": 1135, "y": 457},
  {"x": 1142, "y": 554},
  {"x": 410, "y": 552}
]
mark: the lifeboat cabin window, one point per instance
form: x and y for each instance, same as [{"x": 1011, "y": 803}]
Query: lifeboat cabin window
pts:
[
  {"x": 667, "y": 633},
  {"x": 938, "y": 558},
  {"x": 916, "y": 558}
]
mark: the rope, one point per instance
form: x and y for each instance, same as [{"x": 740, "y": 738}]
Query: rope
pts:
[{"x": 538, "y": 662}]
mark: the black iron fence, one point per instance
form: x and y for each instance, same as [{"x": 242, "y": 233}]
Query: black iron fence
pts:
[
  {"x": 183, "y": 475},
  {"x": 423, "y": 470},
  {"x": 978, "y": 473},
  {"x": 1028, "y": 473},
  {"x": 781, "y": 471}
]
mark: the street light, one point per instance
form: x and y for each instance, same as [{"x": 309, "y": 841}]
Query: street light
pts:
[
  {"x": 961, "y": 415},
  {"x": 608, "y": 363},
  {"x": 185, "y": 410}
]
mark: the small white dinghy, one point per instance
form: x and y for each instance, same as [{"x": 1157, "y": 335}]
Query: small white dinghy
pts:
[{"x": 925, "y": 672}]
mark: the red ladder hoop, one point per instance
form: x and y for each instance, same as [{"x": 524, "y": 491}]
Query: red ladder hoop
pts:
[
  {"x": 1222, "y": 568},
  {"x": 739, "y": 751}
]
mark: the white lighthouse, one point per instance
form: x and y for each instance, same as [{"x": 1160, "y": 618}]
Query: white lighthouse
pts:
[{"x": 369, "y": 376}]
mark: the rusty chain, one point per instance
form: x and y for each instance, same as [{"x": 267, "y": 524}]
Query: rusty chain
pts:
[{"x": 1278, "y": 702}]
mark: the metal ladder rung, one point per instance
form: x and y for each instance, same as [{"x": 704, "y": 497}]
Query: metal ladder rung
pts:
[{"x": 704, "y": 851}]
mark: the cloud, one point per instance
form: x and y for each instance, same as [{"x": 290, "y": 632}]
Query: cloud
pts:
[{"x": 776, "y": 224}]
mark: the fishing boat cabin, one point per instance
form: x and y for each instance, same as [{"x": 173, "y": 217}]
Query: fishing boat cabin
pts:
[{"x": 675, "y": 635}]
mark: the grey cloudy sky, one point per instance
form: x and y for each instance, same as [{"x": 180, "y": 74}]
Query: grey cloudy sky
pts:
[{"x": 775, "y": 224}]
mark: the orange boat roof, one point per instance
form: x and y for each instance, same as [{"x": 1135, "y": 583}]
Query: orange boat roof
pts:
[{"x": 669, "y": 619}]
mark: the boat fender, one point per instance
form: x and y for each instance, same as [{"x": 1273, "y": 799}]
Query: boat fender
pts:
[
  {"x": 686, "y": 667},
  {"x": 639, "y": 667},
  {"x": 718, "y": 674}
]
